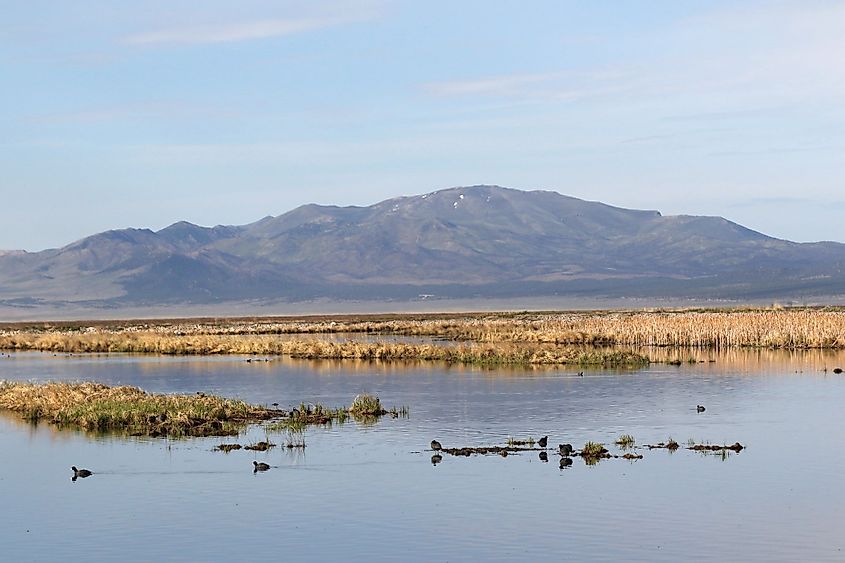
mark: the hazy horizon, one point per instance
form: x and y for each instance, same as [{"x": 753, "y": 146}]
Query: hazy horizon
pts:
[{"x": 146, "y": 114}]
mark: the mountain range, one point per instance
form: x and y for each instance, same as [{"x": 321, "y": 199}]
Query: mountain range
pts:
[{"x": 457, "y": 243}]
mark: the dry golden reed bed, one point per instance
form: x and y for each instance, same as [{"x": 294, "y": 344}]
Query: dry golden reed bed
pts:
[
  {"x": 502, "y": 337},
  {"x": 804, "y": 328},
  {"x": 207, "y": 344},
  {"x": 93, "y": 406}
]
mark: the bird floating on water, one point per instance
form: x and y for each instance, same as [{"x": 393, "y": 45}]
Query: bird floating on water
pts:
[
  {"x": 565, "y": 449},
  {"x": 700, "y": 408},
  {"x": 80, "y": 473},
  {"x": 260, "y": 466},
  {"x": 543, "y": 441}
]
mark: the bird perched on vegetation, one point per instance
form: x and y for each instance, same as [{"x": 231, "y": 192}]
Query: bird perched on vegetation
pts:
[
  {"x": 565, "y": 449},
  {"x": 700, "y": 408},
  {"x": 543, "y": 441},
  {"x": 77, "y": 473},
  {"x": 260, "y": 466},
  {"x": 436, "y": 446}
]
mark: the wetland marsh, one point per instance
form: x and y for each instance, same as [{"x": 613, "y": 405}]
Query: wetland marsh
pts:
[{"x": 373, "y": 489}]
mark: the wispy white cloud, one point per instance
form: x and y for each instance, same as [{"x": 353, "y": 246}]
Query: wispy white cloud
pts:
[
  {"x": 736, "y": 59},
  {"x": 551, "y": 86},
  {"x": 241, "y": 31}
]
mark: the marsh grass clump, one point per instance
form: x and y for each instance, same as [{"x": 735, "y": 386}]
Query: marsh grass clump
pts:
[
  {"x": 294, "y": 440},
  {"x": 318, "y": 414},
  {"x": 593, "y": 450},
  {"x": 625, "y": 441},
  {"x": 365, "y": 409},
  {"x": 366, "y": 405},
  {"x": 672, "y": 445},
  {"x": 608, "y": 358},
  {"x": 97, "y": 407}
]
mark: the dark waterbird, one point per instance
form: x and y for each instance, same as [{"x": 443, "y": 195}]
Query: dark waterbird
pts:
[
  {"x": 837, "y": 370},
  {"x": 260, "y": 466},
  {"x": 543, "y": 441},
  {"x": 700, "y": 408},
  {"x": 80, "y": 473},
  {"x": 565, "y": 449},
  {"x": 436, "y": 446},
  {"x": 436, "y": 458}
]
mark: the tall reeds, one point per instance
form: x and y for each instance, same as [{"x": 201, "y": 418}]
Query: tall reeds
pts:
[
  {"x": 499, "y": 337},
  {"x": 468, "y": 353}
]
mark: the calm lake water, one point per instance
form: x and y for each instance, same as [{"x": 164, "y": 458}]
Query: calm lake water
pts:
[{"x": 371, "y": 493}]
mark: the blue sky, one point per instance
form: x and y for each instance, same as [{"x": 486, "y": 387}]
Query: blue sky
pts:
[{"x": 118, "y": 114}]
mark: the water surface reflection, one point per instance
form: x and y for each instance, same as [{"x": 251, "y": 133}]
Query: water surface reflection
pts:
[{"x": 372, "y": 491}]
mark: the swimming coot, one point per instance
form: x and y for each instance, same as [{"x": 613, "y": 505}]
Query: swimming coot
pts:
[{"x": 80, "y": 473}]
